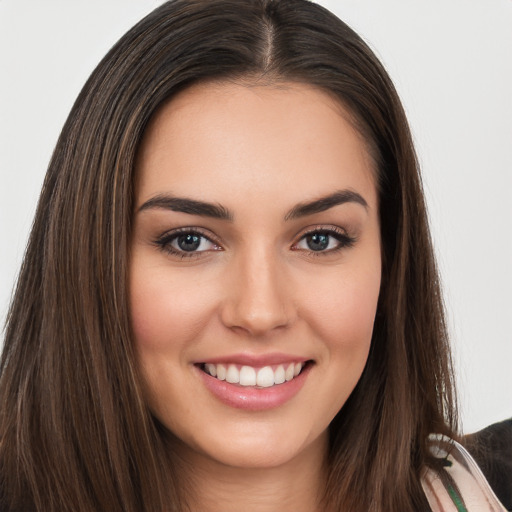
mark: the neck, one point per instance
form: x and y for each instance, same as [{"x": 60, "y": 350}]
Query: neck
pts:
[{"x": 296, "y": 485}]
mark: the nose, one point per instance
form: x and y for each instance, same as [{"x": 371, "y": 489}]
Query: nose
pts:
[{"x": 258, "y": 297}]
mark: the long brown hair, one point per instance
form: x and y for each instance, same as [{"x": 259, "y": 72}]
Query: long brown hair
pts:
[{"x": 75, "y": 433}]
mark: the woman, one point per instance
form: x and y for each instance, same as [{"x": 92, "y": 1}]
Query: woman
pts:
[{"x": 229, "y": 295}]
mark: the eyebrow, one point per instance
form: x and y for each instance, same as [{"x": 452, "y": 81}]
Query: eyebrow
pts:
[
  {"x": 325, "y": 203},
  {"x": 190, "y": 206},
  {"x": 217, "y": 211}
]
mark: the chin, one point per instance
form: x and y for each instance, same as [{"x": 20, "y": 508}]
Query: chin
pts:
[
  {"x": 255, "y": 457},
  {"x": 254, "y": 448}
]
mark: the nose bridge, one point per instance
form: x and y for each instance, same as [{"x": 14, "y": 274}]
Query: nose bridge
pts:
[{"x": 258, "y": 298}]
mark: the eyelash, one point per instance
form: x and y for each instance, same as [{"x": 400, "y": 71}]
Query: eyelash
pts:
[
  {"x": 164, "y": 242},
  {"x": 344, "y": 240}
]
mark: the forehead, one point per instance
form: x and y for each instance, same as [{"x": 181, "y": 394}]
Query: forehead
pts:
[{"x": 281, "y": 141}]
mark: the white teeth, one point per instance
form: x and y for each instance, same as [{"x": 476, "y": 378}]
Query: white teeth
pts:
[
  {"x": 279, "y": 375},
  {"x": 221, "y": 372},
  {"x": 265, "y": 377},
  {"x": 211, "y": 369},
  {"x": 233, "y": 375},
  {"x": 248, "y": 376},
  {"x": 289, "y": 372}
]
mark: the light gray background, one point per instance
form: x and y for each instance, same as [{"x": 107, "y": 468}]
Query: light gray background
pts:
[{"x": 451, "y": 61}]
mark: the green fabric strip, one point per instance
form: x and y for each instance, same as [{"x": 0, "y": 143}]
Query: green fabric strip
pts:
[{"x": 456, "y": 499}]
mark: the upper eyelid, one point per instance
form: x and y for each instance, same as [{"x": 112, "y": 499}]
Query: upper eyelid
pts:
[
  {"x": 325, "y": 228},
  {"x": 211, "y": 236}
]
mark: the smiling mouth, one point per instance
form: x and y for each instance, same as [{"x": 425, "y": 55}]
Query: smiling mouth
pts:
[{"x": 249, "y": 376}]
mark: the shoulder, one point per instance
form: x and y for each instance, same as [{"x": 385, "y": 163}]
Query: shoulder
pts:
[{"x": 492, "y": 450}]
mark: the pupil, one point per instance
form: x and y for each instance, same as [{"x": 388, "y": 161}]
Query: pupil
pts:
[
  {"x": 189, "y": 242},
  {"x": 318, "y": 242}
]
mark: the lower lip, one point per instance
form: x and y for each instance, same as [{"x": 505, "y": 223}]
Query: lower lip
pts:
[{"x": 251, "y": 398}]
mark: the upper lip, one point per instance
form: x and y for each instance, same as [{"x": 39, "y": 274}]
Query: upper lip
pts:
[{"x": 255, "y": 360}]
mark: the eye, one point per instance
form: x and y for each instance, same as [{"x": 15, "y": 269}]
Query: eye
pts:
[
  {"x": 324, "y": 240},
  {"x": 186, "y": 243}
]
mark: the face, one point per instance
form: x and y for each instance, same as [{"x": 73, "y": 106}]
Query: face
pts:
[{"x": 255, "y": 269}]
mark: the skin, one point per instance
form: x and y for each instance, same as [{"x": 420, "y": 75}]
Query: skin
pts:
[{"x": 257, "y": 287}]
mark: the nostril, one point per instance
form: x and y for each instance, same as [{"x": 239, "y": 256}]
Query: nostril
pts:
[{"x": 254, "y": 320}]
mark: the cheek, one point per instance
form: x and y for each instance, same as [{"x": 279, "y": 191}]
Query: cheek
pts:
[
  {"x": 343, "y": 309},
  {"x": 340, "y": 314},
  {"x": 167, "y": 310},
  {"x": 341, "y": 317},
  {"x": 168, "y": 317}
]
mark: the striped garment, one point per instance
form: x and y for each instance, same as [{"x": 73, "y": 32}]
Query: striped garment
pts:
[{"x": 460, "y": 486}]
